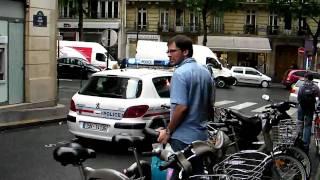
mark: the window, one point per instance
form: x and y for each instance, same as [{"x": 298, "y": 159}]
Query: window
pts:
[
  {"x": 108, "y": 8},
  {"x": 273, "y": 19},
  {"x": 142, "y": 18},
  {"x": 100, "y": 57},
  {"x": 252, "y": 72},
  {"x": 179, "y": 17},
  {"x": 251, "y": 17},
  {"x": 67, "y": 10},
  {"x": 300, "y": 73},
  {"x": 217, "y": 23},
  {"x": 162, "y": 85},
  {"x": 238, "y": 70},
  {"x": 164, "y": 20},
  {"x": 2, "y": 64},
  {"x": 194, "y": 21},
  {"x": 113, "y": 87}
]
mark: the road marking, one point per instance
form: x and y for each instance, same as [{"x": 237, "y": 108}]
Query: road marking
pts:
[
  {"x": 260, "y": 109},
  {"x": 242, "y": 105},
  {"x": 66, "y": 80},
  {"x": 291, "y": 111},
  {"x": 220, "y": 103}
]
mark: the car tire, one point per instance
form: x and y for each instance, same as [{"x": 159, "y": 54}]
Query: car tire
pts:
[
  {"x": 220, "y": 83},
  {"x": 235, "y": 82},
  {"x": 264, "y": 84}
]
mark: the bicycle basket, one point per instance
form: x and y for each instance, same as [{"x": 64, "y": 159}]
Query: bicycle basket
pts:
[
  {"x": 243, "y": 165},
  {"x": 284, "y": 133}
]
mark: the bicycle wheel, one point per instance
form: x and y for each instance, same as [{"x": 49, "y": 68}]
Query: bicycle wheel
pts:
[
  {"x": 316, "y": 134},
  {"x": 302, "y": 157},
  {"x": 284, "y": 167}
]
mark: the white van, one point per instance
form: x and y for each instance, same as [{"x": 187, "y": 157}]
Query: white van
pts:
[
  {"x": 158, "y": 51},
  {"x": 94, "y": 52}
]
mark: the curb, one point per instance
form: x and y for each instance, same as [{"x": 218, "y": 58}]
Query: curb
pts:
[
  {"x": 32, "y": 116},
  {"x": 29, "y": 123}
]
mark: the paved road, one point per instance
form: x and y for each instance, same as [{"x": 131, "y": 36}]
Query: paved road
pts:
[{"x": 27, "y": 153}]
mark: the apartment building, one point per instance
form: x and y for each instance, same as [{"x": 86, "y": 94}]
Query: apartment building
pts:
[
  {"x": 99, "y": 15},
  {"x": 250, "y": 35},
  {"x": 28, "y": 76}
]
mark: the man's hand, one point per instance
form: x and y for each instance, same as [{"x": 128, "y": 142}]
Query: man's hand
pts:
[{"x": 163, "y": 137}]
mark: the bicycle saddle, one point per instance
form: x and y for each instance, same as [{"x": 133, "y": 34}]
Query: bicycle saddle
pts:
[
  {"x": 245, "y": 118},
  {"x": 72, "y": 153},
  {"x": 132, "y": 140}
]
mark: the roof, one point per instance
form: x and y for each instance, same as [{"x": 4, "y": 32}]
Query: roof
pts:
[
  {"x": 138, "y": 73},
  {"x": 238, "y": 44}
]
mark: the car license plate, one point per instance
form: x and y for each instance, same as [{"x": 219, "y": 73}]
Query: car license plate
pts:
[
  {"x": 109, "y": 114},
  {"x": 95, "y": 126}
]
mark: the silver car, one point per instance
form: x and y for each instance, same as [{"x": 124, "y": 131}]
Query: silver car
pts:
[
  {"x": 249, "y": 75},
  {"x": 293, "y": 97}
]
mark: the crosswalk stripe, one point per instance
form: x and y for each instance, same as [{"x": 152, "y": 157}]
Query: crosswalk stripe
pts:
[
  {"x": 220, "y": 103},
  {"x": 291, "y": 111},
  {"x": 260, "y": 109},
  {"x": 242, "y": 105}
]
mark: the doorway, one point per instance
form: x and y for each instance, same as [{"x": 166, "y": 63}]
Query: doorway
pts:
[{"x": 285, "y": 57}]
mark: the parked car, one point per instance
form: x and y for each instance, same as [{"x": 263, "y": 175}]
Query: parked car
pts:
[
  {"x": 74, "y": 67},
  {"x": 249, "y": 75},
  {"x": 291, "y": 76},
  {"x": 293, "y": 97},
  {"x": 120, "y": 101}
]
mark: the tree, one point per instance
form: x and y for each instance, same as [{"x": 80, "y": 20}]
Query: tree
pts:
[
  {"x": 78, "y": 9},
  {"x": 307, "y": 11},
  {"x": 209, "y": 7}
]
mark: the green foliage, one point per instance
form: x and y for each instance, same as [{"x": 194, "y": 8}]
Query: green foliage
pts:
[
  {"x": 298, "y": 8},
  {"x": 210, "y": 6}
]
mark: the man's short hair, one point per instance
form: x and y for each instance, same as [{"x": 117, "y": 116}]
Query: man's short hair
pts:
[
  {"x": 182, "y": 42},
  {"x": 309, "y": 76}
]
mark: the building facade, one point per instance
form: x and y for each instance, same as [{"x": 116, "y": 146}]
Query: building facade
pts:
[
  {"x": 249, "y": 35},
  {"x": 99, "y": 15},
  {"x": 28, "y": 35}
]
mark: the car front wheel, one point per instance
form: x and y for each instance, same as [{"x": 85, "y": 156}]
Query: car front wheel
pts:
[
  {"x": 264, "y": 84},
  {"x": 221, "y": 83}
]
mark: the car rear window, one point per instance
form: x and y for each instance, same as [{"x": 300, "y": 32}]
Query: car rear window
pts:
[
  {"x": 162, "y": 85},
  {"x": 113, "y": 87},
  {"x": 300, "y": 73}
]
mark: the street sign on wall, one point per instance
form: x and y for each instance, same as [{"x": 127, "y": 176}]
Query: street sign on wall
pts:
[{"x": 301, "y": 50}]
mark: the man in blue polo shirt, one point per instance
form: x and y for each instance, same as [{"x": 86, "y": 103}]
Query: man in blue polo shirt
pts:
[{"x": 191, "y": 94}]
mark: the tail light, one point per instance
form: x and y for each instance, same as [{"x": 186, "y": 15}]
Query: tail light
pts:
[
  {"x": 72, "y": 106},
  {"x": 293, "y": 90},
  {"x": 135, "y": 111}
]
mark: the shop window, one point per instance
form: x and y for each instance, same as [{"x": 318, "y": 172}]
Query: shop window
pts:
[{"x": 2, "y": 64}]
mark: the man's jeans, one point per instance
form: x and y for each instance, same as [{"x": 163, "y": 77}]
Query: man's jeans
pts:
[{"x": 304, "y": 125}]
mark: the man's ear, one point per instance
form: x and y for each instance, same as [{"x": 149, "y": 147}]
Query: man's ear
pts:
[{"x": 185, "y": 52}]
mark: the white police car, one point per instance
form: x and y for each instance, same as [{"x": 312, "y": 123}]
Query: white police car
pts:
[{"x": 121, "y": 101}]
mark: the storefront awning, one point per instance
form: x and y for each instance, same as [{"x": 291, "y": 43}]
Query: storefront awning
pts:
[{"x": 237, "y": 44}]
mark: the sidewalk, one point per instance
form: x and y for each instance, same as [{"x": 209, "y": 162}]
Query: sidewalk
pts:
[{"x": 27, "y": 116}]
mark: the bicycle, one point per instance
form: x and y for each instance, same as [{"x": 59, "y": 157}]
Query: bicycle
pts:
[
  {"x": 316, "y": 130},
  {"x": 277, "y": 111}
]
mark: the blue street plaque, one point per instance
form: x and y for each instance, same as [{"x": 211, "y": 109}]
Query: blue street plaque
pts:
[{"x": 39, "y": 19}]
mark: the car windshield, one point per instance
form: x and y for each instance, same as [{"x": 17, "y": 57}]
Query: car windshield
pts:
[{"x": 113, "y": 87}]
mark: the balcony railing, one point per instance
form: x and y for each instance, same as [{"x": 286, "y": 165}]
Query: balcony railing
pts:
[
  {"x": 141, "y": 27},
  {"x": 250, "y": 29},
  {"x": 273, "y": 30},
  {"x": 216, "y": 28},
  {"x": 188, "y": 28}
]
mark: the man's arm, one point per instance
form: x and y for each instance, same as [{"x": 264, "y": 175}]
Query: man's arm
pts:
[{"x": 178, "y": 116}]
